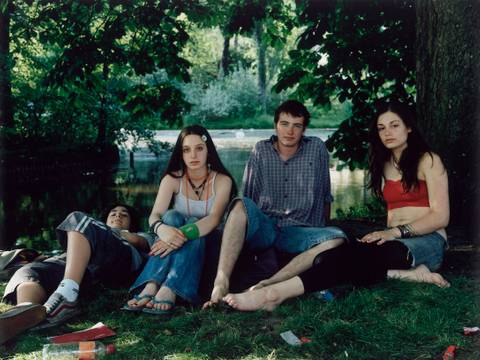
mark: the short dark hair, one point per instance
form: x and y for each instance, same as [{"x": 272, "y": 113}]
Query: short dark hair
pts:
[
  {"x": 134, "y": 216},
  {"x": 294, "y": 108}
]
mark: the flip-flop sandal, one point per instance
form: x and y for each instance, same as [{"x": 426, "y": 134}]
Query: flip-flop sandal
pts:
[
  {"x": 18, "y": 319},
  {"x": 138, "y": 298},
  {"x": 159, "y": 311}
]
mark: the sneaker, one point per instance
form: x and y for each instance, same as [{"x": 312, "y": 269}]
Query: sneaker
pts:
[
  {"x": 60, "y": 309},
  {"x": 18, "y": 319}
]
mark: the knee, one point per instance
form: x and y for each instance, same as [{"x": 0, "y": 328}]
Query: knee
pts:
[
  {"x": 76, "y": 215},
  {"x": 191, "y": 220},
  {"x": 173, "y": 218},
  {"x": 335, "y": 242},
  {"x": 335, "y": 253},
  {"x": 238, "y": 211}
]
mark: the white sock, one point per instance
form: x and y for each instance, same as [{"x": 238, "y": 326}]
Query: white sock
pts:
[{"x": 69, "y": 289}]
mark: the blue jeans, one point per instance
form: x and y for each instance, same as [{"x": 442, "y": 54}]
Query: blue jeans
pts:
[
  {"x": 181, "y": 269},
  {"x": 263, "y": 232},
  {"x": 426, "y": 249}
]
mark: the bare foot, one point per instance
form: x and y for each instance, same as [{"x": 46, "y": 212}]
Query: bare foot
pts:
[
  {"x": 218, "y": 292},
  {"x": 419, "y": 274},
  {"x": 259, "y": 285},
  {"x": 164, "y": 299},
  {"x": 144, "y": 297},
  {"x": 264, "y": 299}
]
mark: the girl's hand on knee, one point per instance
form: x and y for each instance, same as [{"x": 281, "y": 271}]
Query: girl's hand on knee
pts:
[
  {"x": 160, "y": 248},
  {"x": 378, "y": 236},
  {"x": 172, "y": 236}
]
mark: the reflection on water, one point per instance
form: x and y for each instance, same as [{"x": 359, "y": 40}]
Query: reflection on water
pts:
[{"x": 32, "y": 211}]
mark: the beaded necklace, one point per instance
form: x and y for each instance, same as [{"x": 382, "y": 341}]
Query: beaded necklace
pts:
[
  {"x": 205, "y": 182},
  {"x": 396, "y": 164},
  {"x": 198, "y": 189}
]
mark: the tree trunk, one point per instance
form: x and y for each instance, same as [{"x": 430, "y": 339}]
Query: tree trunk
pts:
[
  {"x": 261, "y": 63},
  {"x": 448, "y": 98},
  {"x": 225, "y": 62},
  {"x": 6, "y": 106},
  {"x": 102, "y": 116}
]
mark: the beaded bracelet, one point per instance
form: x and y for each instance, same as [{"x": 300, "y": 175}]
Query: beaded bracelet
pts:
[{"x": 406, "y": 231}]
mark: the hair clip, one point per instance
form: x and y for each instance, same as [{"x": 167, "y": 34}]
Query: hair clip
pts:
[{"x": 204, "y": 138}]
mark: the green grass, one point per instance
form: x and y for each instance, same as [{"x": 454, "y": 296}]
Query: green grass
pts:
[{"x": 393, "y": 320}]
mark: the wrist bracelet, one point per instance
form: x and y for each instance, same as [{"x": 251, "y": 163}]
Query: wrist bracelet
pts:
[
  {"x": 405, "y": 231},
  {"x": 190, "y": 231},
  {"x": 156, "y": 223}
]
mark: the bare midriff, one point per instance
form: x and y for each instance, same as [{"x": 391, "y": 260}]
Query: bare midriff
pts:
[{"x": 407, "y": 215}]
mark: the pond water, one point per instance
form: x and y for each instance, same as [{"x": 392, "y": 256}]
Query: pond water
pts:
[{"x": 32, "y": 210}]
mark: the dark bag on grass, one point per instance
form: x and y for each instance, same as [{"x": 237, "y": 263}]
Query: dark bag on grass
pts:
[{"x": 12, "y": 260}]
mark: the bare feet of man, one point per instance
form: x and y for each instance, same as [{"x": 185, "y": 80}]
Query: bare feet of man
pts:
[
  {"x": 419, "y": 274},
  {"x": 261, "y": 299},
  {"x": 218, "y": 292}
]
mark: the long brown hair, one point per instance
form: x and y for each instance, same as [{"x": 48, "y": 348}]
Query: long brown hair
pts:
[
  {"x": 410, "y": 158},
  {"x": 176, "y": 166}
]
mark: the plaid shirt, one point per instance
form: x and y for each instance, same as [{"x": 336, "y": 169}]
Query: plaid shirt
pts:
[{"x": 293, "y": 191}]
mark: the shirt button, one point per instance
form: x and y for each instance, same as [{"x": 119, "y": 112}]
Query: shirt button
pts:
[
  {"x": 286, "y": 179},
  {"x": 285, "y": 196}
]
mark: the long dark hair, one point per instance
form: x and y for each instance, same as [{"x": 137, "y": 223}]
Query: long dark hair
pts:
[
  {"x": 410, "y": 158},
  {"x": 176, "y": 167},
  {"x": 134, "y": 216}
]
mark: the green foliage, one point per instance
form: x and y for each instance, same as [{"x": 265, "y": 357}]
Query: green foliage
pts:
[
  {"x": 232, "y": 96},
  {"x": 393, "y": 320},
  {"x": 371, "y": 210},
  {"x": 356, "y": 50},
  {"x": 82, "y": 68}
]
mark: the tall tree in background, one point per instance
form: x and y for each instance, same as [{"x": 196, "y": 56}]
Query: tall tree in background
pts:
[
  {"x": 448, "y": 95},
  {"x": 261, "y": 65},
  {"x": 357, "y": 51},
  {"x": 6, "y": 106},
  {"x": 105, "y": 66},
  {"x": 364, "y": 51},
  {"x": 265, "y": 21}
]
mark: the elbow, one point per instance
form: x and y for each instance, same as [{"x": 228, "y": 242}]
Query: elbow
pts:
[{"x": 443, "y": 220}]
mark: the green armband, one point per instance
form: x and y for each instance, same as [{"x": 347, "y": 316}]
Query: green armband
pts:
[{"x": 190, "y": 231}]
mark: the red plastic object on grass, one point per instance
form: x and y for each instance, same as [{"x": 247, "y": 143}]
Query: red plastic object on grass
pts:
[
  {"x": 305, "y": 339},
  {"x": 449, "y": 353},
  {"x": 98, "y": 331}
]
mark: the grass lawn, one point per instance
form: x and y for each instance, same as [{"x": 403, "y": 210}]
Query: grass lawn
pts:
[{"x": 393, "y": 320}]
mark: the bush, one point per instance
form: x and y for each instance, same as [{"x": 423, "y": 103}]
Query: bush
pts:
[
  {"x": 232, "y": 96},
  {"x": 373, "y": 209}
]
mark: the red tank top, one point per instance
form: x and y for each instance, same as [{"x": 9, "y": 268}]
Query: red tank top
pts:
[{"x": 396, "y": 197}]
